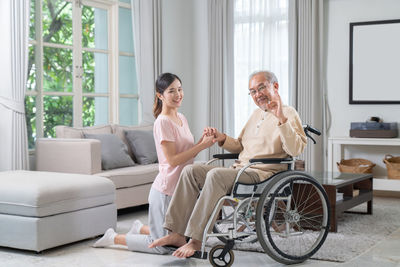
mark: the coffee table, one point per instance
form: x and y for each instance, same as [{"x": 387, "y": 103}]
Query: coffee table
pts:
[{"x": 357, "y": 188}]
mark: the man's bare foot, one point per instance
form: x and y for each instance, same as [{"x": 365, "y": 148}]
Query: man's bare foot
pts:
[
  {"x": 173, "y": 239},
  {"x": 188, "y": 249}
]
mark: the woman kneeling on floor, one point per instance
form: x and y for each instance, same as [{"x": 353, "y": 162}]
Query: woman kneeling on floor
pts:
[{"x": 175, "y": 149}]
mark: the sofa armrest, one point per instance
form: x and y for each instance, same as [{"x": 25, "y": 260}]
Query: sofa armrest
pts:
[{"x": 68, "y": 155}]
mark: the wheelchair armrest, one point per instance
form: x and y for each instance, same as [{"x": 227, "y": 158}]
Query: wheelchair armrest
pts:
[
  {"x": 272, "y": 160},
  {"x": 226, "y": 156}
]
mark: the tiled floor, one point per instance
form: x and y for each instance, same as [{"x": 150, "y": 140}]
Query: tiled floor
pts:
[{"x": 81, "y": 254}]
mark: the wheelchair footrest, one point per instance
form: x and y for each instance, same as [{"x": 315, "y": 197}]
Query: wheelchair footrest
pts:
[{"x": 197, "y": 253}]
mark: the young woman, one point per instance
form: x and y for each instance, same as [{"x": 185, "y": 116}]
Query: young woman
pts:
[{"x": 175, "y": 149}]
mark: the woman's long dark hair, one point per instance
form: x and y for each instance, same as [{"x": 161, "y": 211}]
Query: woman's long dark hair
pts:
[{"x": 162, "y": 83}]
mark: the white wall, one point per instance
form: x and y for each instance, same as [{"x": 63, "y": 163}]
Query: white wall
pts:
[{"x": 339, "y": 14}]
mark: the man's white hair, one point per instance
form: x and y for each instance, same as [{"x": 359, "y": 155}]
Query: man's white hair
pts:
[{"x": 269, "y": 75}]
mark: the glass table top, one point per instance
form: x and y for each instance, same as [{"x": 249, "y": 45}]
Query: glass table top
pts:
[{"x": 336, "y": 178}]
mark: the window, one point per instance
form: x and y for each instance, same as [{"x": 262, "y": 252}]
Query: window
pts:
[
  {"x": 261, "y": 43},
  {"x": 81, "y": 69}
]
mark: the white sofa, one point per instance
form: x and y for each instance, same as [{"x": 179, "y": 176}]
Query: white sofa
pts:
[
  {"x": 70, "y": 152},
  {"x": 42, "y": 210}
]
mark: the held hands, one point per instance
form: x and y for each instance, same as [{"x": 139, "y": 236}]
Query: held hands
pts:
[
  {"x": 218, "y": 136},
  {"x": 275, "y": 103}
]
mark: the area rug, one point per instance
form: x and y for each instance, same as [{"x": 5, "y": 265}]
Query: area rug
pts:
[{"x": 356, "y": 233}]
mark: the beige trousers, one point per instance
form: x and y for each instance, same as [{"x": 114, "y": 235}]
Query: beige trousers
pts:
[{"x": 197, "y": 193}]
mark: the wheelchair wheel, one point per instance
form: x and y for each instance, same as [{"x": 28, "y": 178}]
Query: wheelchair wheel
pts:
[
  {"x": 292, "y": 217},
  {"x": 246, "y": 221},
  {"x": 217, "y": 261}
]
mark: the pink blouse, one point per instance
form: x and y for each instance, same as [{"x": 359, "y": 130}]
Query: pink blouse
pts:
[{"x": 167, "y": 130}]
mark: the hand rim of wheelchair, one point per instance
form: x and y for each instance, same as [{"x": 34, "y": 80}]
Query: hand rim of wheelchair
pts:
[{"x": 269, "y": 245}]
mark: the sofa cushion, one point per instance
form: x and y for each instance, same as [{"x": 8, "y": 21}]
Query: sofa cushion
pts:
[
  {"x": 119, "y": 130},
  {"x": 75, "y": 132},
  {"x": 40, "y": 194},
  {"x": 114, "y": 153},
  {"x": 142, "y": 145},
  {"x": 131, "y": 176}
]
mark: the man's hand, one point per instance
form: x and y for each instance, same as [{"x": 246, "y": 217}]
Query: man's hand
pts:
[
  {"x": 218, "y": 136},
  {"x": 275, "y": 104}
]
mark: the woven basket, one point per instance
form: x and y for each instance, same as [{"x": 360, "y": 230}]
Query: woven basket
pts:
[
  {"x": 393, "y": 166},
  {"x": 355, "y": 165}
]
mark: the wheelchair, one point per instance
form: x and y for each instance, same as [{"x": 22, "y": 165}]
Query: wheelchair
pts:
[{"x": 288, "y": 214}]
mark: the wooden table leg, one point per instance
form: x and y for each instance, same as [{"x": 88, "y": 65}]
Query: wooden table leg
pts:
[
  {"x": 331, "y": 192},
  {"x": 369, "y": 203},
  {"x": 369, "y": 207}
]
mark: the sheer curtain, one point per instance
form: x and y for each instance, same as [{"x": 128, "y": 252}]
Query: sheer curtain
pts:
[
  {"x": 14, "y": 19},
  {"x": 261, "y": 43}
]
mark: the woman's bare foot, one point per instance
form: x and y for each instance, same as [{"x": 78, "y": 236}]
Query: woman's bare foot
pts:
[
  {"x": 173, "y": 239},
  {"x": 188, "y": 249},
  {"x": 145, "y": 230},
  {"x": 120, "y": 240}
]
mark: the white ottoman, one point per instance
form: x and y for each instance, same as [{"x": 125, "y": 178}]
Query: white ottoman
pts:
[{"x": 41, "y": 210}]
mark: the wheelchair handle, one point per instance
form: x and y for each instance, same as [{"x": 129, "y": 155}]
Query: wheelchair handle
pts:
[{"x": 307, "y": 128}]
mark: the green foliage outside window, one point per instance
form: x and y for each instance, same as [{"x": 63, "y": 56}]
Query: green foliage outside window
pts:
[
  {"x": 88, "y": 27},
  {"x": 57, "y": 109},
  {"x": 30, "y": 112},
  {"x": 88, "y": 111},
  {"x": 31, "y": 84},
  {"x": 57, "y": 69},
  {"x": 88, "y": 77},
  {"x": 57, "y": 21},
  {"x": 32, "y": 30}
]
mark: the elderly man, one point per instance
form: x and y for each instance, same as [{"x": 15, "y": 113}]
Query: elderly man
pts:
[{"x": 273, "y": 131}]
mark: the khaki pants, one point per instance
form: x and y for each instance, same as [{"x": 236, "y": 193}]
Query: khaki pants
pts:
[{"x": 188, "y": 213}]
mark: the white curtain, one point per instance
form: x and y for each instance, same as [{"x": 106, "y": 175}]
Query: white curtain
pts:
[
  {"x": 146, "y": 19},
  {"x": 307, "y": 72},
  {"x": 14, "y": 19},
  {"x": 220, "y": 33},
  {"x": 261, "y": 43}
]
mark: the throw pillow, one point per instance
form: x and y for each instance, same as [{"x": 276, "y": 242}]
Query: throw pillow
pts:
[
  {"x": 142, "y": 145},
  {"x": 114, "y": 153}
]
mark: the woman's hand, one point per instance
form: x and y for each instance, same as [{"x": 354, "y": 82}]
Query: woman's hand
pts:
[{"x": 207, "y": 140}]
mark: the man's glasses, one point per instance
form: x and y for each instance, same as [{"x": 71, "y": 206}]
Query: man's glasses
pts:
[{"x": 253, "y": 92}]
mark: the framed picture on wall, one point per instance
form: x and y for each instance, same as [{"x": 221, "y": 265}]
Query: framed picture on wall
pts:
[{"x": 374, "y": 73}]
